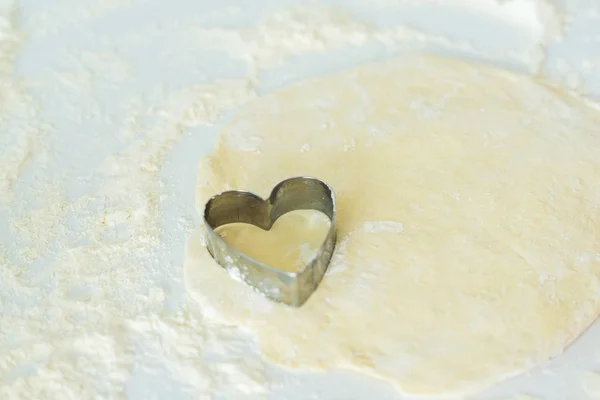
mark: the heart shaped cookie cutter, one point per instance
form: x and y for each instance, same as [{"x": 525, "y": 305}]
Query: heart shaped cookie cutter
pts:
[{"x": 299, "y": 193}]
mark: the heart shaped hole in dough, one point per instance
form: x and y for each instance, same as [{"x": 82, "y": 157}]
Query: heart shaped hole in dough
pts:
[{"x": 288, "y": 245}]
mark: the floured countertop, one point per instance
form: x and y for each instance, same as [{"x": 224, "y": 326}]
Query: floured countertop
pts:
[{"x": 107, "y": 105}]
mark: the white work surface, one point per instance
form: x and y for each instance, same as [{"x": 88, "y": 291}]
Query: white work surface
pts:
[{"x": 101, "y": 78}]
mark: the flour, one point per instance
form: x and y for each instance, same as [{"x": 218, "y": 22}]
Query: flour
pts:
[
  {"x": 590, "y": 383},
  {"x": 312, "y": 29},
  {"x": 12, "y": 164},
  {"x": 522, "y": 397},
  {"x": 51, "y": 21},
  {"x": 22, "y": 141},
  {"x": 90, "y": 321},
  {"x": 86, "y": 310}
]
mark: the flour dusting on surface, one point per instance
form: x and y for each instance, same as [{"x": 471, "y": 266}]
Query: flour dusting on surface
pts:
[{"x": 91, "y": 296}]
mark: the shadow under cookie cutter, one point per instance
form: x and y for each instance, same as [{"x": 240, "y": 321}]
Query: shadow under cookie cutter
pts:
[{"x": 299, "y": 193}]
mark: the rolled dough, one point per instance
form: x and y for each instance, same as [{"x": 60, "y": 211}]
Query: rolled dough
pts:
[
  {"x": 468, "y": 210},
  {"x": 290, "y": 243}
]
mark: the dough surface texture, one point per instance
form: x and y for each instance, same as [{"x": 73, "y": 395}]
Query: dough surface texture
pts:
[
  {"x": 290, "y": 243},
  {"x": 468, "y": 205}
]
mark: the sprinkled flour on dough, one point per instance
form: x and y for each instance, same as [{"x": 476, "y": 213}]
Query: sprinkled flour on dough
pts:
[
  {"x": 468, "y": 251},
  {"x": 92, "y": 302}
]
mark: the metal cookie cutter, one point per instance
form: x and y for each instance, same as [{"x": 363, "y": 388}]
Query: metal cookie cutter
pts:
[{"x": 300, "y": 193}]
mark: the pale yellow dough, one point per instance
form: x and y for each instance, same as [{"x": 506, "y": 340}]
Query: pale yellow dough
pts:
[
  {"x": 290, "y": 243},
  {"x": 468, "y": 210}
]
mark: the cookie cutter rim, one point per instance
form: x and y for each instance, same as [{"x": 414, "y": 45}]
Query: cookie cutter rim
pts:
[{"x": 296, "y": 193}]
